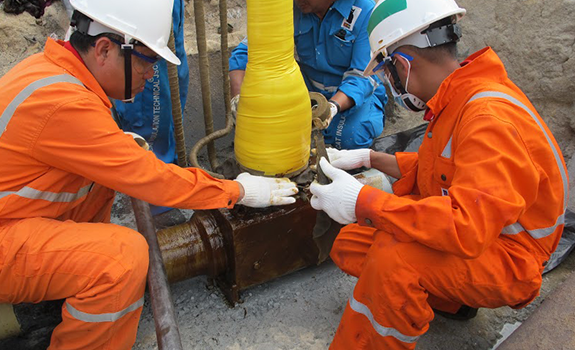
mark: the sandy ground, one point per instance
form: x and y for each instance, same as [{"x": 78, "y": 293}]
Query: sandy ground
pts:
[
  {"x": 302, "y": 311},
  {"x": 299, "y": 311}
]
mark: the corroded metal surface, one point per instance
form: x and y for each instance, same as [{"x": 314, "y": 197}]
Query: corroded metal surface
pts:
[
  {"x": 193, "y": 248},
  {"x": 243, "y": 246}
]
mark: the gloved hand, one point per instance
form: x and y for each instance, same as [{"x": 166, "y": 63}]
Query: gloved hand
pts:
[
  {"x": 333, "y": 110},
  {"x": 349, "y": 159},
  {"x": 234, "y": 106},
  {"x": 261, "y": 192},
  {"x": 339, "y": 197}
]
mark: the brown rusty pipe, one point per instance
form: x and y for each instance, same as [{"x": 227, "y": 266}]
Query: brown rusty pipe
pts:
[
  {"x": 193, "y": 248},
  {"x": 176, "y": 106},
  {"x": 167, "y": 330},
  {"x": 224, "y": 53},
  {"x": 199, "y": 16},
  {"x": 242, "y": 247},
  {"x": 208, "y": 139}
]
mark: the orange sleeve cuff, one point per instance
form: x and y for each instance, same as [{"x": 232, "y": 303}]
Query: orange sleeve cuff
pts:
[
  {"x": 233, "y": 188},
  {"x": 368, "y": 196},
  {"x": 408, "y": 165}
]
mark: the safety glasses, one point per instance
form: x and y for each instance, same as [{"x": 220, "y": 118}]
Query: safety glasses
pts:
[
  {"x": 143, "y": 63},
  {"x": 387, "y": 72}
]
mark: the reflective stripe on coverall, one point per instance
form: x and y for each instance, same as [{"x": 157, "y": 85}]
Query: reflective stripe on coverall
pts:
[
  {"x": 100, "y": 269},
  {"x": 473, "y": 220},
  {"x": 62, "y": 158},
  {"x": 332, "y": 54}
]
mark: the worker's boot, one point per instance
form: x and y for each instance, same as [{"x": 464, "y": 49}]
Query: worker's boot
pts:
[{"x": 464, "y": 313}]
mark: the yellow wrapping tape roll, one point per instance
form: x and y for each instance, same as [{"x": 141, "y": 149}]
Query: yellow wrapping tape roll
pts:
[{"x": 273, "y": 127}]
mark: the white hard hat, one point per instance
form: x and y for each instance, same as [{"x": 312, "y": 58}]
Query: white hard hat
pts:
[
  {"x": 147, "y": 21},
  {"x": 395, "y": 23}
]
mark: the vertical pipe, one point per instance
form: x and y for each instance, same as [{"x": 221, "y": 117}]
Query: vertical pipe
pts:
[
  {"x": 199, "y": 15},
  {"x": 167, "y": 330},
  {"x": 176, "y": 106},
  {"x": 224, "y": 51}
]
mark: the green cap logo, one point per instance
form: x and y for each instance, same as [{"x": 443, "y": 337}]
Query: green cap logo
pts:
[{"x": 384, "y": 10}]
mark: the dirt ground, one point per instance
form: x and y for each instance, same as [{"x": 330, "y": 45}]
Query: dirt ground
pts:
[
  {"x": 299, "y": 311},
  {"x": 23, "y": 35}
]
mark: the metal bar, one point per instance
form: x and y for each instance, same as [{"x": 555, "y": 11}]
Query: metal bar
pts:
[
  {"x": 225, "y": 54},
  {"x": 176, "y": 106},
  {"x": 167, "y": 331},
  {"x": 199, "y": 15}
]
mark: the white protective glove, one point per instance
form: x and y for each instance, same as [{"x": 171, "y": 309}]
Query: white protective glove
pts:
[
  {"x": 338, "y": 198},
  {"x": 261, "y": 192},
  {"x": 234, "y": 106},
  {"x": 349, "y": 159},
  {"x": 333, "y": 110}
]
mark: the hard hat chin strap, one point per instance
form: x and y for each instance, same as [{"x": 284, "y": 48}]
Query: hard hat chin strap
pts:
[
  {"x": 127, "y": 52},
  {"x": 87, "y": 26},
  {"x": 399, "y": 92}
]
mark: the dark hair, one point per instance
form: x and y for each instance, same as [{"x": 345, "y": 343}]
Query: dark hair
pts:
[
  {"x": 83, "y": 42},
  {"x": 437, "y": 54}
]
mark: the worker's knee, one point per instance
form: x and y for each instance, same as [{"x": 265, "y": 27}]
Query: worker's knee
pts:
[
  {"x": 339, "y": 250},
  {"x": 133, "y": 256},
  {"x": 350, "y": 248},
  {"x": 386, "y": 255}
]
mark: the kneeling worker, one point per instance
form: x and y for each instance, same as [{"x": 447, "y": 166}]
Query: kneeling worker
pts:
[
  {"x": 476, "y": 212},
  {"x": 63, "y": 156}
]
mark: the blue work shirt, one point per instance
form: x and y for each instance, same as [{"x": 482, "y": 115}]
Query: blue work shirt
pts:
[{"x": 332, "y": 53}]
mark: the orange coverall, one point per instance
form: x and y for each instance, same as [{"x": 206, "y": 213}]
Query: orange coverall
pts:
[
  {"x": 473, "y": 219},
  {"x": 62, "y": 157}
]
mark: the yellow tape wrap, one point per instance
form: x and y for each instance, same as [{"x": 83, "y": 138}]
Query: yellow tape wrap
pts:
[{"x": 273, "y": 125}]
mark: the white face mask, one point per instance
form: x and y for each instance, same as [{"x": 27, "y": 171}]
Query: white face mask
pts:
[{"x": 405, "y": 100}]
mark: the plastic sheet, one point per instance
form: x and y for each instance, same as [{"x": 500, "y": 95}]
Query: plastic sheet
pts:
[{"x": 33, "y": 7}]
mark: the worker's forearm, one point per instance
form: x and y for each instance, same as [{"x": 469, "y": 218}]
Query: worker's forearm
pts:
[
  {"x": 385, "y": 163},
  {"x": 236, "y": 80},
  {"x": 343, "y": 100}
]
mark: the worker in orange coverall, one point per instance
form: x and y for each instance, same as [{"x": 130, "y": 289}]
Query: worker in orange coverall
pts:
[
  {"x": 475, "y": 214},
  {"x": 63, "y": 156}
]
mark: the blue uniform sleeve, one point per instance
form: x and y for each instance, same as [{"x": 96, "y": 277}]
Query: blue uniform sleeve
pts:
[
  {"x": 354, "y": 84},
  {"x": 239, "y": 57}
]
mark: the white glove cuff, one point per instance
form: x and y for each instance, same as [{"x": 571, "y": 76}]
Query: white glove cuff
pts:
[
  {"x": 365, "y": 157},
  {"x": 333, "y": 110},
  {"x": 251, "y": 193},
  {"x": 349, "y": 199}
]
